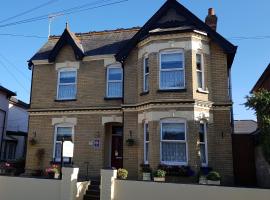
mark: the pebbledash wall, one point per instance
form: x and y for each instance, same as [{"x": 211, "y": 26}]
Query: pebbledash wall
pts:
[{"x": 92, "y": 112}]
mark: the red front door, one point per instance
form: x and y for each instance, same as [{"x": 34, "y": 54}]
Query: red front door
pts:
[{"x": 117, "y": 147}]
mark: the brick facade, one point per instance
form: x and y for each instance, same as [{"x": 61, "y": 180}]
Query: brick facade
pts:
[{"x": 96, "y": 114}]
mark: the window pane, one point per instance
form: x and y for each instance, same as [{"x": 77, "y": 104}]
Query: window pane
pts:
[
  {"x": 146, "y": 82},
  {"x": 68, "y": 77},
  {"x": 67, "y": 92},
  {"x": 199, "y": 61},
  {"x": 170, "y": 61},
  {"x": 174, "y": 152},
  {"x": 173, "y": 131},
  {"x": 199, "y": 79},
  {"x": 146, "y": 65},
  {"x": 115, "y": 89},
  {"x": 146, "y": 132},
  {"x": 202, "y": 153},
  {"x": 172, "y": 79},
  {"x": 58, "y": 148},
  {"x": 146, "y": 151},
  {"x": 202, "y": 133},
  {"x": 115, "y": 74},
  {"x": 64, "y": 132}
]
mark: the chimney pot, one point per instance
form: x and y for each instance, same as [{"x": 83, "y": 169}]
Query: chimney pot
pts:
[{"x": 211, "y": 19}]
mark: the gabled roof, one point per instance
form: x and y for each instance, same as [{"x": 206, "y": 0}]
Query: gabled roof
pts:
[
  {"x": 245, "y": 126},
  {"x": 19, "y": 103},
  {"x": 262, "y": 79},
  {"x": 7, "y": 91},
  {"x": 184, "y": 19},
  {"x": 67, "y": 38}
]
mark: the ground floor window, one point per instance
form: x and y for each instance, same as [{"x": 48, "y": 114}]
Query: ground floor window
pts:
[
  {"x": 62, "y": 133},
  {"x": 173, "y": 145},
  {"x": 146, "y": 143},
  {"x": 10, "y": 150},
  {"x": 203, "y": 144}
]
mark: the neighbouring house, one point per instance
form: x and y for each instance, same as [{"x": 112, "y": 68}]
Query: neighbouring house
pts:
[
  {"x": 159, "y": 94},
  {"x": 14, "y": 126},
  {"x": 262, "y": 167},
  {"x": 245, "y": 127},
  {"x": 15, "y": 140},
  {"x": 5, "y": 95}
]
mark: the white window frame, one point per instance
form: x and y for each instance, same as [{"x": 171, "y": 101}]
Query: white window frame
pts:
[
  {"x": 173, "y": 120},
  {"x": 64, "y": 125},
  {"x": 117, "y": 66},
  {"x": 146, "y": 142},
  {"x": 58, "y": 82},
  {"x": 205, "y": 144},
  {"x": 172, "y": 51},
  {"x": 145, "y": 74},
  {"x": 201, "y": 71}
]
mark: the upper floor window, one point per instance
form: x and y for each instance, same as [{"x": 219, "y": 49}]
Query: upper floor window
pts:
[
  {"x": 63, "y": 132},
  {"x": 172, "y": 73},
  {"x": 203, "y": 144},
  {"x": 67, "y": 81},
  {"x": 173, "y": 142},
  {"x": 146, "y": 75},
  {"x": 200, "y": 71},
  {"x": 114, "y": 81}
]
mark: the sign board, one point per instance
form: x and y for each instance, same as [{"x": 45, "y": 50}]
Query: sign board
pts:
[
  {"x": 95, "y": 143},
  {"x": 68, "y": 147}
]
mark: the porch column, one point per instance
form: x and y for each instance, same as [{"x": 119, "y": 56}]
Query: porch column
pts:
[{"x": 108, "y": 177}]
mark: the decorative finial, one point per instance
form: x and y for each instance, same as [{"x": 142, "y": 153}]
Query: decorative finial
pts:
[{"x": 67, "y": 25}]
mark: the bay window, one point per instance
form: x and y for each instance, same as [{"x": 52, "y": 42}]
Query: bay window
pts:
[
  {"x": 114, "y": 81},
  {"x": 172, "y": 73},
  {"x": 173, "y": 142},
  {"x": 203, "y": 144},
  {"x": 67, "y": 81},
  {"x": 63, "y": 132},
  {"x": 146, "y": 75},
  {"x": 146, "y": 143}
]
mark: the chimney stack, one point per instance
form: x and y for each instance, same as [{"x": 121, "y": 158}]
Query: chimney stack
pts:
[{"x": 211, "y": 19}]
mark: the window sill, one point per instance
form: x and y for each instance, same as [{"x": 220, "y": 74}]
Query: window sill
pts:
[
  {"x": 144, "y": 93},
  {"x": 64, "y": 100},
  {"x": 202, "y": 91},
  {"x": 171, "y": 90},
  {"x": 113, "y": 98}
]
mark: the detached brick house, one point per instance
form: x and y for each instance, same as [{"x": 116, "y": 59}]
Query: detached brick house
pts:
[{"x": 165, "y": 86}]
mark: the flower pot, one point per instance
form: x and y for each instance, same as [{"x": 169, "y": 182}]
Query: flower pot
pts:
[
  {"x": 159, "y": 179},
  {"x": 202, "y": 180},
  {"x": 209, "y": 182},
  {"x": 56, "y": 176},
  {"x": 146, "y": 176}
]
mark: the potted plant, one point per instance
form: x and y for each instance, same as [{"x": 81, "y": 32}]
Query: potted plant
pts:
[
  {"x": 159, "y": 175},
  {"x": 53, "y": 172},
  {"x": 213, "y": 178},
  {"x": 33, "y": 141},
  {"x": 122, "y": 174},
  {"x": 146, "y": 171},
  {"x": 130, "y": 142}
]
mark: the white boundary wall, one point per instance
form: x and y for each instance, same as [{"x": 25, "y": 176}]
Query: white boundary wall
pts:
[
  {"x": 21, "y": 188},
  {"x": 134, "y": 190}
]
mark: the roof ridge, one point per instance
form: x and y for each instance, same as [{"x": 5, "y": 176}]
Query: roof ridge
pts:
[{"x": 100, "y": 32}]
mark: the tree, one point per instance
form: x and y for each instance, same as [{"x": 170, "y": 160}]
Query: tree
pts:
[{"x": 260, "y": 102}]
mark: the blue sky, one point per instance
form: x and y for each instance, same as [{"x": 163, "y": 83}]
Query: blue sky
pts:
[{"x": 241, "y": 18}]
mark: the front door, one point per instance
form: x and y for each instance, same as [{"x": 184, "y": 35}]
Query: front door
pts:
[{"x": 117, "y": 147}]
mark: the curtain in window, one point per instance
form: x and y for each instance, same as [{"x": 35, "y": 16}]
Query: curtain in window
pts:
[
  {"x": 115, "y": 89},
  {"x": 172, "y": 79},
  {"x": 199, "y": 79},
  {"x": 146, "y": 82},
  {"x": 173, "y": 152},
  {"x": 114, "y": 82},
  {"x": 67, "y": 85}
]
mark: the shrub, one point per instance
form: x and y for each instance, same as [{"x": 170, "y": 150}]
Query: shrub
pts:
[
  {"x": 160, "y": 173},
  {"x": 213, "y": 176},
  {"x": 122, "y": 173}
]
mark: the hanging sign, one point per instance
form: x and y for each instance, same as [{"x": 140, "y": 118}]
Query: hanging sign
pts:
[{"x": 68, "y": 148}]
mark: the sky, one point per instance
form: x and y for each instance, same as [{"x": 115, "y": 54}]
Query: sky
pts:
[{"x": 243, "y": 22}]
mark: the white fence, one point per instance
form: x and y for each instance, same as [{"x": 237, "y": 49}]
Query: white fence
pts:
[
  {"x": 113, "y": 189},
  {"x": 18, "y": 188}
]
